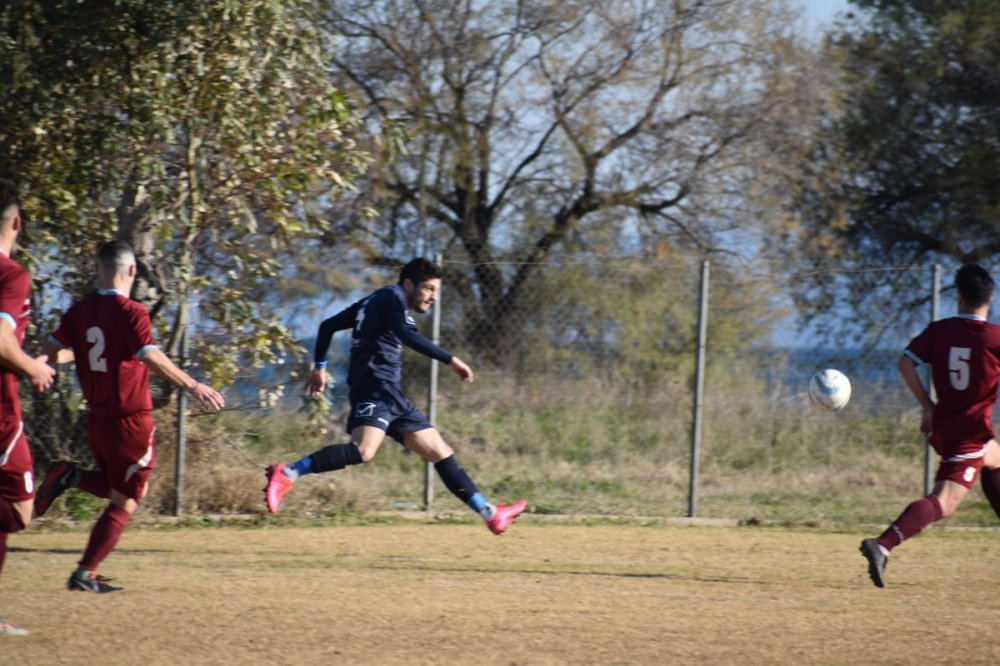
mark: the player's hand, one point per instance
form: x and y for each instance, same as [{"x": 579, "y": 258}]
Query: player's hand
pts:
[
  {"x": 926, "y": 419},
  {"x": 461, "y": 369},
  {"x": 316, "y": 381},
  {"x": 41, "y": 374},
  {"x": 207, "y": 397}
]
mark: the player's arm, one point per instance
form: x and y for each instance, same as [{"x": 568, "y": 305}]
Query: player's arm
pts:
[
  {"x": 160, "y": 363},
  {"x": 908, "y": 371},
  {"x": 411, "y": 337},
  {"x": 12, "y": 357},
  {"x": 343, "y": 320},
  {"x": 55, "y": 350}
]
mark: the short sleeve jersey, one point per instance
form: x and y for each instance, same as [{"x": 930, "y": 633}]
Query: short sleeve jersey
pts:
[
  {"x": 964, "y": 353},
  {"x": 15, "y": 308},
  {"x": 108, "y": 333}
]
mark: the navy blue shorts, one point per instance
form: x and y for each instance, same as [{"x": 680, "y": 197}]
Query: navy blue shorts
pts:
[{"x": 387, "y": 408}]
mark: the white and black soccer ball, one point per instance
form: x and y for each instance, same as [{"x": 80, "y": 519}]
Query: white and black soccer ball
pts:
[{"x": 829, "y": 390}]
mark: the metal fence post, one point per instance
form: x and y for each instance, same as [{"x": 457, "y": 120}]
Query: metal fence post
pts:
[
  {"x": 181, "y": 415},
  {"x": 935, "y": 315},
  {"x": 699, "y": 389},
  {"x": 432, "y": 393}
]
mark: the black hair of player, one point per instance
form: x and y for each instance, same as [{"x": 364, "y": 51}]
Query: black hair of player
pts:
[
  {"x": 420, "y": 270},
  {"x": 110, "y": 254},
  {"x": 8, "y": 195},
  {"x": 975, "y": 285}
]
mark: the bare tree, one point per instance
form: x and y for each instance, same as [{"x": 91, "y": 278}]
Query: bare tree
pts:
[{"x": 512, "y": 126}]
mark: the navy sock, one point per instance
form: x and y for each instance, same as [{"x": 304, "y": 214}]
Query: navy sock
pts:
[
  {"x": 461, "y": 486},
  {"x": 334, "y": 457}
]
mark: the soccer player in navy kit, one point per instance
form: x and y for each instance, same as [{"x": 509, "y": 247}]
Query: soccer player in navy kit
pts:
[
  {"x": 381, "y": 324},
  {"x": 109, "y": 337},
  {"x": 17, "y": 485},
  {"x": 964, "y": 353}
]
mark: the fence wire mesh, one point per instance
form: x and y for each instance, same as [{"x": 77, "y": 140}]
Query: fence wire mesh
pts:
[{"x": 583, "y": 394}]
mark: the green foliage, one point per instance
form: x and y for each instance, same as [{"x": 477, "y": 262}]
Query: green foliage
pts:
[
  {"x": 204, "y": 133},
  {"x": 905, "y": 167}
]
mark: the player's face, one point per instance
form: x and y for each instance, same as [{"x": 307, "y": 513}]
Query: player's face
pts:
[{"x": 422, "y": 296}]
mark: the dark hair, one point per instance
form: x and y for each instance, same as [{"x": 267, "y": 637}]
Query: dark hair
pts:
[
  {"x": 8, "y": 195},
  {"x": 419, "y": 270},
  {"x": 114, "y": 255},
  {"x": 975, "y": 285}
]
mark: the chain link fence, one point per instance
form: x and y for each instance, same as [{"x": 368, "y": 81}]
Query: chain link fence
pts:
[{"x": 583, "y": 399}]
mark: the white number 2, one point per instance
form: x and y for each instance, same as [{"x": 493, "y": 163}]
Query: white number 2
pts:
[
  {"x": 98, "y": 363},
  {"x": 958, "y": 367}
]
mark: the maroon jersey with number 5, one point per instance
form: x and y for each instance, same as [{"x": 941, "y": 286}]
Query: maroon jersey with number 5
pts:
[
  {"x": 108, "y": 333},
  {"x": 964, "y": 353}
]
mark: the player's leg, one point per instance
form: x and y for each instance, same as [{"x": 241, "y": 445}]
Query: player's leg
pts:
[
  {"x": 128, "y": 454},
  {"x": 364, "y": 444},
  {"x": 429, "y": 445},
  {"x": 16, "y": 491},
  {"x": 64, "y": 475},
  {"x": 990, "y": 475},
  {"x": 957, "y": 472}
]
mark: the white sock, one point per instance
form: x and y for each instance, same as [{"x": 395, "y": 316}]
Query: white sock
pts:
[
  {"x": 885, "y": 551},
  {"x": 290, "y": 473},
  {"x": 488, "y": 511}
]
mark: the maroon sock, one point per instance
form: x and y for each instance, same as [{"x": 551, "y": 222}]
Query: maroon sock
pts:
[
  {"x": 103, "y": 538},
  {"x": 92, "y": 481},
  {"x": 911, "y": 522},
  {"x": 990, "y": 478},
  {"x": 3, "y": 549}
]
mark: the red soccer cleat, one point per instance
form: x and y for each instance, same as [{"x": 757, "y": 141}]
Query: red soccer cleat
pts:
[
  {"x": 277, "y": 485},
  {"x": 505, "y": 515}
]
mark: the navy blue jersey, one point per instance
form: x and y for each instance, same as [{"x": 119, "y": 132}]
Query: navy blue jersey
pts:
[{"x": 381, "y": 324}]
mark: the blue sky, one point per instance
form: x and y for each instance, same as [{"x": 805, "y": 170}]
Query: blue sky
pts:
[{"x": 823, "y": 10}]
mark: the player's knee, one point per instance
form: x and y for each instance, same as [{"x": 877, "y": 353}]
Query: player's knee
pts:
[
  {"x": 949, "y": 506},
  {"x": 367, "y": 453},
  {"x": 15, "y": 516}
]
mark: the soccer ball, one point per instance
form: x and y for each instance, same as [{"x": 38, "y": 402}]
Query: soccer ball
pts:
[{"x": 829, "y": 390}]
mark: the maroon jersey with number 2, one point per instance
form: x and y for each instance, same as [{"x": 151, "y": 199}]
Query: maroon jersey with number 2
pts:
[{"x": 108, "y": 332}]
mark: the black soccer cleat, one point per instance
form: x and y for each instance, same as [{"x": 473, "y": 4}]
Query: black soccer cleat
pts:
[
  {"x": 90, "y": 583},
  {"x": 62, "y": 476},
  {"x": 877, "y": 561}
]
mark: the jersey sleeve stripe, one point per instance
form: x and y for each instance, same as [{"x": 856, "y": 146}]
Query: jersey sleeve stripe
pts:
[
  {"x": 913, "y": 357},
  {"x": 56, "y": 342},
  {"x": 142, "y": 352},
  {"x": 10, "y": 320}
]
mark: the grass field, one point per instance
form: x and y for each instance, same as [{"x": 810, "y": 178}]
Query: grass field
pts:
[{"x": 407, "y": 592}]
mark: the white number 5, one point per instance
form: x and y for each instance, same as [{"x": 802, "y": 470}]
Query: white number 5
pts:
[
  {"x": 958, "y": 367},
  {"x": 95, "y": 336}
]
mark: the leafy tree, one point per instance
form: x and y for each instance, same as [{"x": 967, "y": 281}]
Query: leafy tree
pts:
[
  {"x": 203, "y": 133},
  {"x": 905, "y": 169},
  {"x": 515, "y": 132}
]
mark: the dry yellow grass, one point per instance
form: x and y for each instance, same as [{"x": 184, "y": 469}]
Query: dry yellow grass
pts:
[{"x": 419, "y": 593}]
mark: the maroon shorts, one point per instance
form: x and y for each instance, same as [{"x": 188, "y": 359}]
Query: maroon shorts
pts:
[
  {"x": 961, "y": 461},
  {"x": 124, "y": 449},
  {"x": 16, "y": 463}
]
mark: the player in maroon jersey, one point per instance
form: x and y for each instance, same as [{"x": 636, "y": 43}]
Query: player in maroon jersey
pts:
[
  {"x": 110, "y": 340},
  {"x": 16, "y": 462},
  {"x": 964, "y": 353}
]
